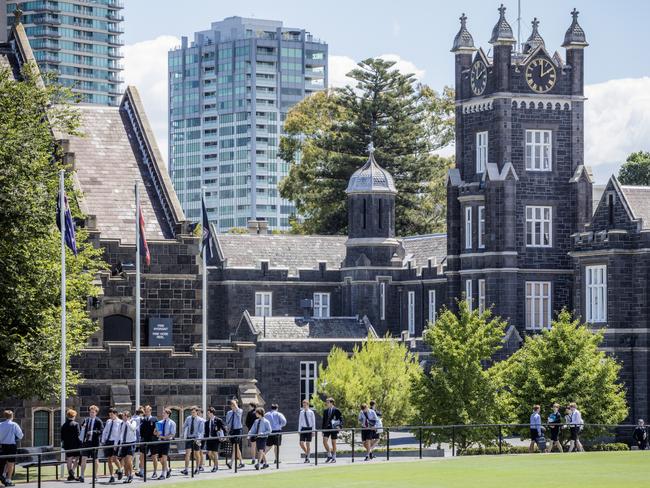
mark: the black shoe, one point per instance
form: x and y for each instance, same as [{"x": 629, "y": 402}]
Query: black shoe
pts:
[
  {"x": 214, "y": 469},
  {"x": 241, "y": 466},
  {"x": 201, "y": 468},
  {"x": 196, "y": 471},
  {"x": 228, "y": 464},
  {"x": 372, "y": 455},
  {"x": 333, "y": 460},
  {"x": 119, "y": 475},
  {"x": 367, "y": 458},
  {"x": 9, "y": 483},
  {"x": 306, "y": 460},
  {"x": 80, "y": 479},
  {"x": 70, "y": 477},
  {"x": 257, "y": 466},
  {"x": 3, "y": 480},
  {"x": 169, "y": 474},
  {"x": 265, "y": 466},
  {"x": 253, "y": 461},
  {"x": 139, "y": 474},
  {"x": 329, "y": 459},
  {"x": 112, "y": 479}
]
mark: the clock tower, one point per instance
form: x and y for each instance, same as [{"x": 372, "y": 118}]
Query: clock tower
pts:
[{"x": 520, "y": 187}]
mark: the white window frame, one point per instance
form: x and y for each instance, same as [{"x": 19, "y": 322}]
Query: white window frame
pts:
[
  {"x": 382, "y": 300},
  {"x": 263, "y": 304},
  {"x": 432, "y": 306},
  {"x": 468, "y": 227},
  {"x": 538, "y": 305},
  {"x": 539, "y": 226},
  {"x": 481, "y": 151},
  {"x": 481, "y": 295},
  {"x": 481, "y": 227},
  {"x": 411, "y": 312},
  {"x": 468, "y": 293},
  {"x": 321, "y": 305},
  {"x": 308, "y": 373},
  {"x": 596, "y": 293},
  {"x": 539, "y": 150}
]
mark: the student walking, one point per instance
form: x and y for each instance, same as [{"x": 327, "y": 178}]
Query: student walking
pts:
[
  {"x": 576, "y": 426},
  {"x": 378, "y": 424},
  {"x": 166, "y": 431},
  {"x": 368, "y": 420},
  {"x": 235, "y": 428},
  {"x": 127, "y": 439},
  {"x": 214, "y": 428},
  {"x": 10, "y": 434},
  {"x": 535, "y": 428},
  {"x": 147, "y": 434},
  {"x": 332, "y": 423},
  {"x": 70, "y": 439},
  {"x": 306, "y": 426},
  {"x": 555, "y": 422},
  {"x": 259, "y": 434},
  {"x": 250, "y": 420},
  {"x": 193, "y": 433},
  {"x": 277, "y": 421},
  {"x": 110, "y": 439},
  {"x": 91, "y": 433},
  {"x": 139, "y": 413},
  {"x": 640, "y": 435}
]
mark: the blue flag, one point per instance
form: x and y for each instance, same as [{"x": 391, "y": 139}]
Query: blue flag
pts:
[
  {"x": 70, "y": 239},
  {"x": 207, "y": 240}
]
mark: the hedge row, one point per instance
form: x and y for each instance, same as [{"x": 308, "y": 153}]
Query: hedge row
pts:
[{"x": 507, "y": 449}]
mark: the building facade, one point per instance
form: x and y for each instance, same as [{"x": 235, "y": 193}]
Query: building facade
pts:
[
  {"x": 77, "y": 40},
  {"x": 229, "y": 93}
]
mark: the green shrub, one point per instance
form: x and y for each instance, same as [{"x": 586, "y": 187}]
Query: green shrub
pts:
[
  {"x": 613, "y": 446},
  {"x": 508, "y": 449}
]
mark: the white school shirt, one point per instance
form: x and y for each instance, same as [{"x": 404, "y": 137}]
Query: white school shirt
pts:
[
  {"x": 111, "y": 433},
  {"x": 306, "y": 418},
  {"x": 199, "y": 427},
  {"x": 169, "y": 428},
  {"x": 130, "y": 427},
  {"x": 576, "y": 417},
  {"x": 366, "y": 421},
  {"x": 276, "y": 419}
]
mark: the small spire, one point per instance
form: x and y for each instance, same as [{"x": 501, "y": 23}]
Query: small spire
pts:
[
  {"x": 463, "y": 40},
  {"x": 502, "y": 32},
  {"x": 17, "y": 14},
  {"x": 575, "y": 36},
  {"x": 371, "y": 148},
  {"x": 535, "y": 38}
]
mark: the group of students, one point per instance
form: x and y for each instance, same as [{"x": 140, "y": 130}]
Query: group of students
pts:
[{"x": 556, "y": 422}]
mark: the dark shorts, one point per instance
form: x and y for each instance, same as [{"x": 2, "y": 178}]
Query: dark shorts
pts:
[
  {"x": 533, "y": 434},
  {"x": 275, "y": 439},
  {"x": 368, "y": 434},
  {"x": 260, "y": 443},
  {"x": 212, "y": 445},
  {"x": 332, "y": 434},
  {"x": 74, "y": 453},
  {"x": 125, "y": 451},
  {"x": 192, "y": 445},
  {"x": 236, "y": 440},
  {"x": 111, "y": 451},
  {"x": 162, "y": 449},
  {"x": 575, "y": 433},
  {"x": 89, "y": 452},
  {"x": 306, "y": 435},
  {"x": 9, "y": 450},
  {"x": 152, "y": 449},
  {"x": 555, "y": 434}
]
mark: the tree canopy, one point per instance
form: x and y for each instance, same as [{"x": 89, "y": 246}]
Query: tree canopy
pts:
[
  {"x": 326, "y": 140},
  {"x": 30, "y": 289},
  {"x": 636, "y": 169}
]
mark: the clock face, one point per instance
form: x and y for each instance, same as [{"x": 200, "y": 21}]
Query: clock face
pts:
[
  {"x": 540, "y": 75},
  {"x": 478, "y": 77}
]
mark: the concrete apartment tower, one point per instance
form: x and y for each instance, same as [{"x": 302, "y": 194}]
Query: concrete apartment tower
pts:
[
  {"x": 78, "y": 40},
  {"x": 229, "y": 93}
]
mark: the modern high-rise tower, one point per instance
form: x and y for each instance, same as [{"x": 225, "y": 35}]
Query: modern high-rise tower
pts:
[
  {"x": 79, "y": 40},
  {"x": 229, "y": 93}
]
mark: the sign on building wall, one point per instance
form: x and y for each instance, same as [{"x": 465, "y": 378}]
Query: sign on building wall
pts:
[{"x": 160, "y": 331}]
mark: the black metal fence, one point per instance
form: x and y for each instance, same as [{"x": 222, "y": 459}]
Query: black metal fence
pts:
[{"x": 452, "y": 439}]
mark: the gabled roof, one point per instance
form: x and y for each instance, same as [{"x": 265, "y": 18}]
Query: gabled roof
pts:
[
  {"x": 17, "y": 51},
  {"x": 638, "y": 199},
  {"x": 292, "y": 328}
]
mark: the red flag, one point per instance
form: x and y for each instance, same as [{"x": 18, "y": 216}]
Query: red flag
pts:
[{"x": 144, "y": 248}]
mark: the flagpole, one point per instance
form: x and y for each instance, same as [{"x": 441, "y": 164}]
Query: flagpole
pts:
[
  {"x": 137, "y": 297},
  {"x": 204, "y": 329},
  {"x": 64, "y": 361}
]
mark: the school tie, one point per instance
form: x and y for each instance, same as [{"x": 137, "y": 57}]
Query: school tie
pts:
[
  {"x": 211, "y": 427},
  {"x": 192, "y": 426},
  {"x": 125, "y": 427}
]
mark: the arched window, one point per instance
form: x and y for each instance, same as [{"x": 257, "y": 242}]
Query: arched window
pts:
[
  {"x": 41, "y": 428},
  {"x": 118, "y": 328}
]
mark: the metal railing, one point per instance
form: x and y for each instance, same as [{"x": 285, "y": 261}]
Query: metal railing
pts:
[{"x": 455, "y": 439}]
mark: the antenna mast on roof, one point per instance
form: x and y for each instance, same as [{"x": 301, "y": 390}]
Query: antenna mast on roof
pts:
[{"x": 519, "y": 25}]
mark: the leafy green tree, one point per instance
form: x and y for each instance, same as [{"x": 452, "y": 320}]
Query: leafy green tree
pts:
[
  {"x": 563, "y": 364},
  {"x": 381, "y": 369},
  {"x": 636, "y": 169},
  {"x": 30, "y": 242},
  {"x": 327, "y": 136},
  {"x": 458, "y": 389}
]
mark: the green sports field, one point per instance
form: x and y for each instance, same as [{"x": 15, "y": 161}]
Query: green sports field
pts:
[{"x": 591, "y": 470}]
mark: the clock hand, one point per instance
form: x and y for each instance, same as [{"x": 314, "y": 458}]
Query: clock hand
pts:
[{"x": 543, "y": 73}]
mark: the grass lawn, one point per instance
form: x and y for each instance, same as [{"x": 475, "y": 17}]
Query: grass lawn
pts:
[{"x": 592, "y": 470}]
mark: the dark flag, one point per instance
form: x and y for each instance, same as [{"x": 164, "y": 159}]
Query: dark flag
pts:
[
  {"x": 70, "y": 239},
  {"x": 207, "y": 237},
  {"x": 144, "y": 248}
]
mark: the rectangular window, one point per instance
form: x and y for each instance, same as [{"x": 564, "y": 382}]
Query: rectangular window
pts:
[
  {"x": 432, "y": 306},
  {"x": 41, "y": 430},
  {"x": 481, "y": 227},
  {"x": 596, "y": 293},
  {"x": 321, "y": 305},
  {"x": 538, "y": 150},
  {"x": 481, "y": 296},
  {"x": 481, "y": 151},
  {"x": 468, "y": 227},
  {"x": 539, "y": 222},
  {"x": 308, "y": 376},
  {"x": 263, "y": 304},
  {"x": 538, "y": 304},
  {"x": 411, "y": 312},
  {"x": 382, "y": 301},
  {"x": 468, "y": 293}
]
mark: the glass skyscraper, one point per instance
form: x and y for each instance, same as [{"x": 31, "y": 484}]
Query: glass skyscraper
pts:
[
  {"x": 229, "y": 93},
  {"x": 79, "y": 40}
]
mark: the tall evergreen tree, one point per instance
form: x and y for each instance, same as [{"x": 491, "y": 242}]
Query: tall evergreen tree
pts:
[{"x": 327, "y": 139}]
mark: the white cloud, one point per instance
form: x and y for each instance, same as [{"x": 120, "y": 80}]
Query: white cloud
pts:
[
  {"x": 145, "y": 66},
  {"x": 617, "y": 122},
  {"x": 340, "y": 66}
]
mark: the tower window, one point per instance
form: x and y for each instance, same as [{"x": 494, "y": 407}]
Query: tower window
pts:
[
  {"x": 481, "y": 151},
  {"x": 365, "y": 210},
  {"x": 468, "y": 227},
  {"x": 481, "y": 227},
  {"x": 538, "y": 150},
  {"x": 539, "y": 222},
  {"x": 379, "y": 211}
]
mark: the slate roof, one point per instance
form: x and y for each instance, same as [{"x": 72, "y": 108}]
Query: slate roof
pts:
[
  {"x": 298, "y": 328},
  {"x": 463, "y": 39},
  {"x": 423, "y": 248},
  {"x": 371, "y": 178},
  {"x": 638, "y": 198},
  {"x": 574, "y": 35},
  {"x": 107, "y": 167},
  {"x": 535, "y": 38},
  {"x": 502, "y": 32}
]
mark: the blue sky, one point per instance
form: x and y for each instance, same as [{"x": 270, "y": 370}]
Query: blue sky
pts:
[{"x": 420, "y": 33}]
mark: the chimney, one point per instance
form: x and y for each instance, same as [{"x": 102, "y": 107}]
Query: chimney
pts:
[{"x": 258, "y": 226}]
